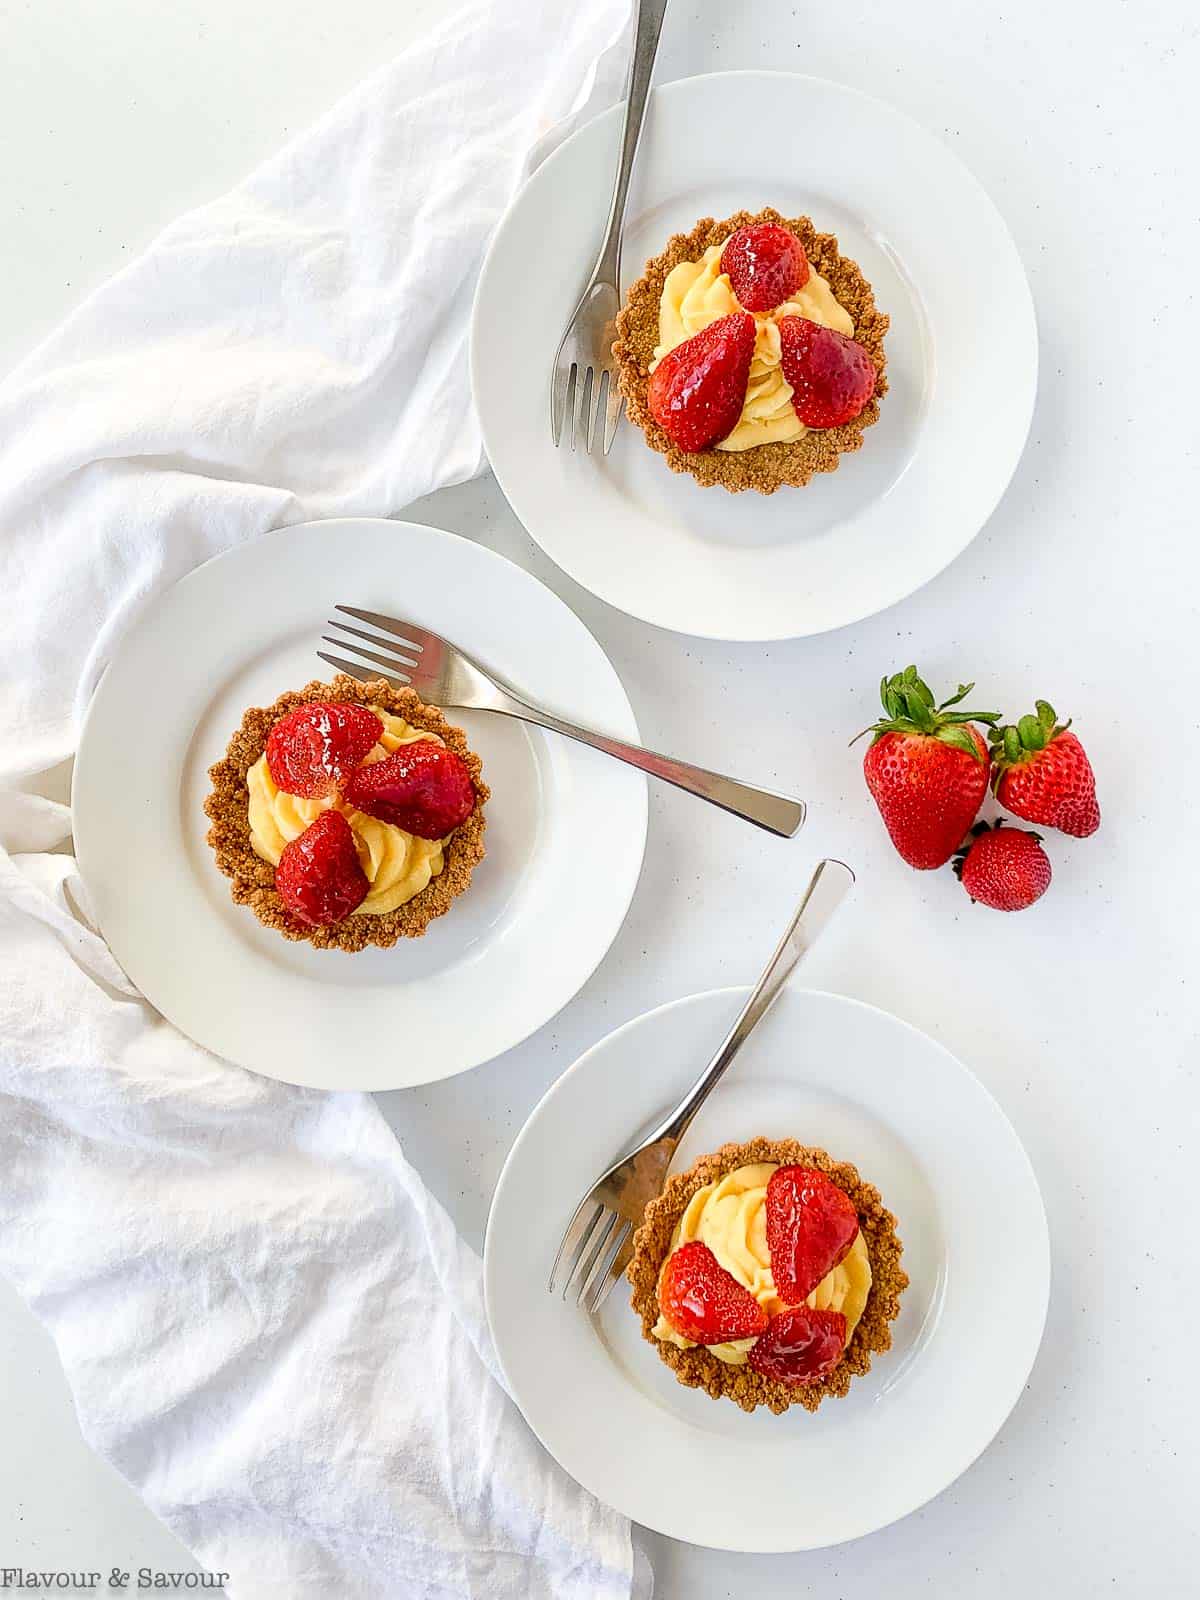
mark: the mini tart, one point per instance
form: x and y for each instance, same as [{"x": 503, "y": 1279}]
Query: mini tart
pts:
[
  {"x": 254, "y": 879},
  {"x": 697, "y": 1367},
  {"x": 766, "y": 467}
]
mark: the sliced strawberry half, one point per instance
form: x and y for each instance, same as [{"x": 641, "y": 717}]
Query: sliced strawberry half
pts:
[
  {"x": 422, "y": 787},
  {"x": 832, "y": 377},
  {"x": 311, "y": 748},
  {"x": 319, "y": 877},
  {"x": 799, "y": 1346},
  {"x": 697, "y": 391},
  {"x": 811, "y": 1224},
  {"x": 705, "y": 1303},
  {"x": 766, "y": 264}
]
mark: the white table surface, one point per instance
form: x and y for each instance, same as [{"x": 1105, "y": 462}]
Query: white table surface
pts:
[{"x": 1080, "y": 1015}]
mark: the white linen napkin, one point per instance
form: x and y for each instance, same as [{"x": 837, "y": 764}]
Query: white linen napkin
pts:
[{"x": 269, "y": 1326}]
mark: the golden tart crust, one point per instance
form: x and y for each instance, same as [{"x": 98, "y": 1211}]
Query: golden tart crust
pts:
[
  {"x": 254, "y": 879},
  {"x": 697, "y": 1367},
  {"x": 766, "y": 467}
]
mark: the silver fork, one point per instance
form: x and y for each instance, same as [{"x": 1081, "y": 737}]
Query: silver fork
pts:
[
  {"x": 584, "y": 377},
  {"x": 598, "y": 1243},
  {"x": 444, "y": 675}
]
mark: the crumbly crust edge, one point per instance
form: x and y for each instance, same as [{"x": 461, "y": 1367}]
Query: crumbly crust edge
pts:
[
  {"x": 767, "y": 467},
  {"x": 253, "y": 879},
  {"x": 697, "y": 1367}
]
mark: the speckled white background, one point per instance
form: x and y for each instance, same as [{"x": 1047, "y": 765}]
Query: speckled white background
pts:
[{"x": 1081, "y": 1015}]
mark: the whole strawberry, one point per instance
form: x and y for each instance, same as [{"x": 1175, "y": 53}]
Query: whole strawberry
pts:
[
  {"x": 926, "y": 768},
  {"x": 1005, "y": 868},
  {"x": 1041, "y": 772},
  {"x": 697, "y": 391}
]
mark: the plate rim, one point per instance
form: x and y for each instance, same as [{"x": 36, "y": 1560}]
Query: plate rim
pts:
[
  {"x": 1045, "y": 1262},
  {"x": 1028, "y": 311},
  {"x": 83, "y": 840}
]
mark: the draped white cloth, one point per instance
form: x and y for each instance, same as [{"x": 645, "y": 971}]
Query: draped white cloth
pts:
[{"x": 269, "y": 1326}]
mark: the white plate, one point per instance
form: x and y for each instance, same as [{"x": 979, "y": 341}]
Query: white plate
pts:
[
  {"x": 962, "y": 360},
  {"x": 565, "y": 836},
  {"x": 872, "y": 1090}
]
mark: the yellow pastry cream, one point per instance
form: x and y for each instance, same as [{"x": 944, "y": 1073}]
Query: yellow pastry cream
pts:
[
  {"x": 398, "y": 866},
  {"x": 697, "y": 293},
  {"x": 730, "y": 1217}
]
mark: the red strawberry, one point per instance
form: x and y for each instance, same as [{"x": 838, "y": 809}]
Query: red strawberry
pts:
[
  {"x": 421, "y": 787},
  {"x": 766, "y": 264},
  {"x": 799, "y": 1346},
  {"x": 312, "y": 747},
  {"x": 1042, "y": 773},
  {"x": 1005, "y": 868},
  {"x": 697, "y": 391},
  {"x": 926, "y": 768},
  {"x": 319, "y": 878},
  {"x": 832, "y": 378},
  {"x": 705, "y": 1303},
  {"x": 811, "y": 1224}
]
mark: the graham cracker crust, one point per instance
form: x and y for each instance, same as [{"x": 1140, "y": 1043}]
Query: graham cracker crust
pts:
[
  {"x": 699, "y": 1369},
  {"x": 766, "y": 467},
  {"x": 254, "y": 879}
]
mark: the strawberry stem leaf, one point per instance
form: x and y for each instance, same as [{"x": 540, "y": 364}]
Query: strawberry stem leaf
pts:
[
  {"x": 956, "y": 735},
  {"x": 964, "y": 690},
  {"x": 1012, "y": 744},
  {"x": 910, "y": 708}
]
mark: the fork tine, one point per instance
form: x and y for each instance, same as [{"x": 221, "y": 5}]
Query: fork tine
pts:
[
  {"x": 575, "y": 1240},
  {"x": 357, "y": 670},
  {"x": 569, "y": 409},
  {"x": 387, "y": 662},
  {"x": 603, "y": 1277},
  {"x": 584, "y": 412},
  {"x": 385, "y": 625},
  {"x": 371, "y": 638},
  {"x": 583, "y": 1274},
  {"x": 613, "y": 417},
  {"x": 596, "y": 402},
  {"x": 559, "y": 385}
]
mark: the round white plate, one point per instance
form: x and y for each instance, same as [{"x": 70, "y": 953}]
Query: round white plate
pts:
[
  {"x": 872, "y": 1090},
  {"x": 962, "y": 360},
  {"x": 543, "y": 907}
]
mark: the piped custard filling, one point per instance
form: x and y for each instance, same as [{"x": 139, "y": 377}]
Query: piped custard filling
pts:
[
  {"x": 397, "y": 864},
  {"x": 698, "y": 292},
  {"x": 730, "y": 1218}
]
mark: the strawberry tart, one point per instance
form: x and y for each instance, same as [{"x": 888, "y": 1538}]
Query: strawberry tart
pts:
[
  {"x": 751, "y": 352},
  {"x": 768, "y": 1274},
  {"x": 348, "y": 814}
]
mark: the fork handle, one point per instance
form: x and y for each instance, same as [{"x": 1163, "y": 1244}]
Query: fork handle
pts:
[
  {"x": 827, "y": 888},
  {"x": 649, "y": 23},
  {"x": 775, "y": 812}
]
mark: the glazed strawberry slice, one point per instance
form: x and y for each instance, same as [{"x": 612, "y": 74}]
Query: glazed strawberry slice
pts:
[
  {"x": 319, "y": 877},
  {"x": 766, "y": 264},
  {"x": 799, "y": 1346},
  {"x": 421, "y": 787},
  {"x": 697, "y": 391},
  {"x": 811, "y": 1224},
  {"x": 832, "y": 378},
  {"x": 314, "y": 746},
  {"x": 705, "y": 1303}
]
